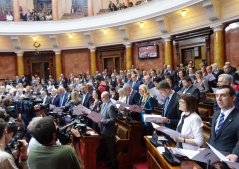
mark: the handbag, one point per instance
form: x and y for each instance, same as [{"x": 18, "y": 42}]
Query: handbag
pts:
[{"x": 170, "y": 158}]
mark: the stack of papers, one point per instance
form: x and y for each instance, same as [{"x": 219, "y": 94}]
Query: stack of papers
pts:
[{"x": 152, "y": 118}]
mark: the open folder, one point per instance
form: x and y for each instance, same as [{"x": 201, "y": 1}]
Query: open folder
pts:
[
  {"x": 96, "y": 117},
  {"x": 168, "y": 131},
  {"x": 152, "y": 118}
]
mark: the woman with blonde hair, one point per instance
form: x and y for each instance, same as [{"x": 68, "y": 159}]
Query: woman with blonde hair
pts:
[
  {"x": 147, "y": 105},
  {"x": 122, "y": 95}
]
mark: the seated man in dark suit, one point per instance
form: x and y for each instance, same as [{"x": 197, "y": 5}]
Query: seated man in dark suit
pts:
[
  {"x": 148, "y": 82},
  {"x": 171, "y": 113},
  {"x": 225, "y": 127},
  {"x": 189, "y": 88}
]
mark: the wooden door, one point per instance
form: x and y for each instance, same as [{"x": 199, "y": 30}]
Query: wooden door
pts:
[
  {"x": 188, "y": 55},
  {"x": 41, "y": 69},
  {"x": 112, "y": 63}
]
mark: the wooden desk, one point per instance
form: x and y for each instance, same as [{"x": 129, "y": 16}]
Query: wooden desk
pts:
[
  {"x": 128, "y": 143},
  {"x": 156, "y": 160},
  {"x": 88, "y": 150}
]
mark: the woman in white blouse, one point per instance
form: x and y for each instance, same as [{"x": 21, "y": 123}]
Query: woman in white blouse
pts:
[{"x": 190, "y": 124}]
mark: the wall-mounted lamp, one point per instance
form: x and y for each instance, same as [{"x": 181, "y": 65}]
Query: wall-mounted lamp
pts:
[
  {"x": 141, "y": 24},
  {"x": 70, "y": 35},
  {"x": 105, "y": 31},
  {"x": 183, "y": 12},
  {"x": 34, "y": 38}
]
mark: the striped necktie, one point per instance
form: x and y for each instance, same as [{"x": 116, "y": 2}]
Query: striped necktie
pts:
[{"x": 220, "y": 123}]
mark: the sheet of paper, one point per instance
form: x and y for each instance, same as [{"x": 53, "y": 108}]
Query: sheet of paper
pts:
[
  {"x": 96, "y": 117},
  {"x": 210, "y": 77},
  {"x": 220, "y": 155},
  {"x": 162, "y": 138},
  {"x": 113, "y": 101},
  {"x": 152, "y": 118},
  {"x": 117, "y": 88},
  {"x": 237, "y": 81},
  {"x": 198, "y": 86},
  {"x": 168, "y": 131},
  {"x": 154, "y": 92},
  {"x": 180, "y": 92},
  {"x": 77, "y": 110},
  {"x": 57, "y": 109},
  {"x": 205, "y": 155},
  {"x": 189, "y": 153},
  {"x": 161, "y": 149},
  {"x": 121, "y": 106},
  {"x": 135, "y": 108},
  {"x": 214, "y": 90},
  {"x": 177, "y": 151},
  {"x": 84, "y": 109},
  {"x": 232, "y": 164},
  {"x": 52, "y": 106}
]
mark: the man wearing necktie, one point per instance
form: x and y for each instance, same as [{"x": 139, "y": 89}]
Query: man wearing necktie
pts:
[
  {"x": 107, "y": 129},
  {"x": 63, "y": 98},
  {"x": 225, "y": 123},
  {"x": 171, "y": 113}
]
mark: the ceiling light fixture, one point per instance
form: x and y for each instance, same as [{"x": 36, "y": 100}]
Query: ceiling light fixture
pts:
[
  {"x": 141, "y": 24},
  {"x": 105, "y": 31},
  {"x": 34, "y": 38},
  {"x": 183, "y": 12},
  {"x": 70, "y": 35}
]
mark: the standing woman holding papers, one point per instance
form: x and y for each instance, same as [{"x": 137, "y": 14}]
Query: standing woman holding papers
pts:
[
  {"x": 190, "y": 124},
  {"x": 147, "y": 105},
  {"x": 202, "y": 82},
  {"x": 96, "y": 107}
]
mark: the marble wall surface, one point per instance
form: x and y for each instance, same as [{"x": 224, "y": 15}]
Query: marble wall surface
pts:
[{"x": 8, "y": 65}]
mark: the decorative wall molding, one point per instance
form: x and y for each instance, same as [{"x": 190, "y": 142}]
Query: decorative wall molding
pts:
[
  {"x": 212, "y": 8},
  {"x": 54, "y": 41},
  {"x": 16, "y": 41},
  {"x": 125, "y": 33},
  {"x": 90, "y": 37},
  {"x": 163, "y": 24}
]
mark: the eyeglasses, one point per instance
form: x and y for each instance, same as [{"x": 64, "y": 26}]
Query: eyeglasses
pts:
[{"x": 181, "y": 102}]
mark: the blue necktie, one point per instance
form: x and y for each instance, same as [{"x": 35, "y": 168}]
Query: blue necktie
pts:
[
  {"x": 165, "y": 106},
  {"x": 220, "y": 123},
  {"x": 61, "y": 101}
]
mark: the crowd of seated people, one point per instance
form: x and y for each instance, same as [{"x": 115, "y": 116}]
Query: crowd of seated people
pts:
[{"x": 131, "y": 87}]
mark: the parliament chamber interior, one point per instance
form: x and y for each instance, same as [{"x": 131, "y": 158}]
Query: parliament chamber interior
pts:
[{"x": 128, "y": 84}]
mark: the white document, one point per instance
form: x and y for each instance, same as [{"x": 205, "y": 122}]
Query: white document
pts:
[
  {"x": 160, "y": 138},
  {"x": 135, "y": 108},
  {"x": 180, "y": 92},
  {"x": 52, "y": 106},
  {"x": 189, "y": 153},
  {"x": 57, "y": 109},
  {"x": 214, "y": 89},
  {"x": 152, "y": 118},
  {"x": 161, "y": 149},
  {"x": 96, "y": 117},
  {"x": 168, "y": 131},
  {"x": 198, "y": 86},
  {"x": 77, "y": 110},
  {"x": 154, "y": 92},
  {"x": 113, "y": 101},
  {"x": 210, "y": 77},
  {"x": 121, "y": 106}
]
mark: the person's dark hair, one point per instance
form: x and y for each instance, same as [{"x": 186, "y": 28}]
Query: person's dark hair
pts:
[
  {"x": 98, "y": 93},
  {"x": 166, "y": 75},
  {"x": 2, "y": 127},
  {"x": 232, "y": 91},
  {"x": 4, "y": 115},
  {"x": 187, "y": 78},
  {"x": 6, "y": 102},
  {"x": 190, "y": 101},
  {"x": 98, "y": 77},
  {"x": 157, "y": 79},
  {"x": 44, "y": 129},
  {"x": 171, "y": 79},
  {"x": 163, "y": 85},
  {"x": 12, "y": 127},
  {"x": 113, "y": 89}
]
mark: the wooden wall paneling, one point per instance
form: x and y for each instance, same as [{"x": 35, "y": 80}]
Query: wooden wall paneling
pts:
[{"x": 8, "y": 65}]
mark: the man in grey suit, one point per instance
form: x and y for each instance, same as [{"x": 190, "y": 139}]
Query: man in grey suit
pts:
[
  {"x": 107, "y": 129},
  {"x": 189, "y": 88},
  {"x": 225, "y": 127}
]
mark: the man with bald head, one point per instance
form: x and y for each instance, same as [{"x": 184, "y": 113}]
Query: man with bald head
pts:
[{"x": 107, "y": 129}]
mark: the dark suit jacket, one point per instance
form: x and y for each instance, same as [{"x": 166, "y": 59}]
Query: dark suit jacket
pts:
[
  {"x": 136, "y": 86},
  {"x": 150, "y": 85},
  {"x": 227, "y": 139},
  {"x": 113, "y": 83},
  {"x": 47, "y": 100},
  {"x": 107, "y": 127},
  {"x": 64, "y": 99},
  {"x": 55, "y": 101},
  {"x": 134, "y": 98},
  {"x": 87, "y": 101},
  {"x": 173, "y": 113},
  {"x": 194, "y": 91}
]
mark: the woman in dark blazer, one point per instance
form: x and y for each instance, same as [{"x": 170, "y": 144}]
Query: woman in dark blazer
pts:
[{"x": 147, "y": 105}]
